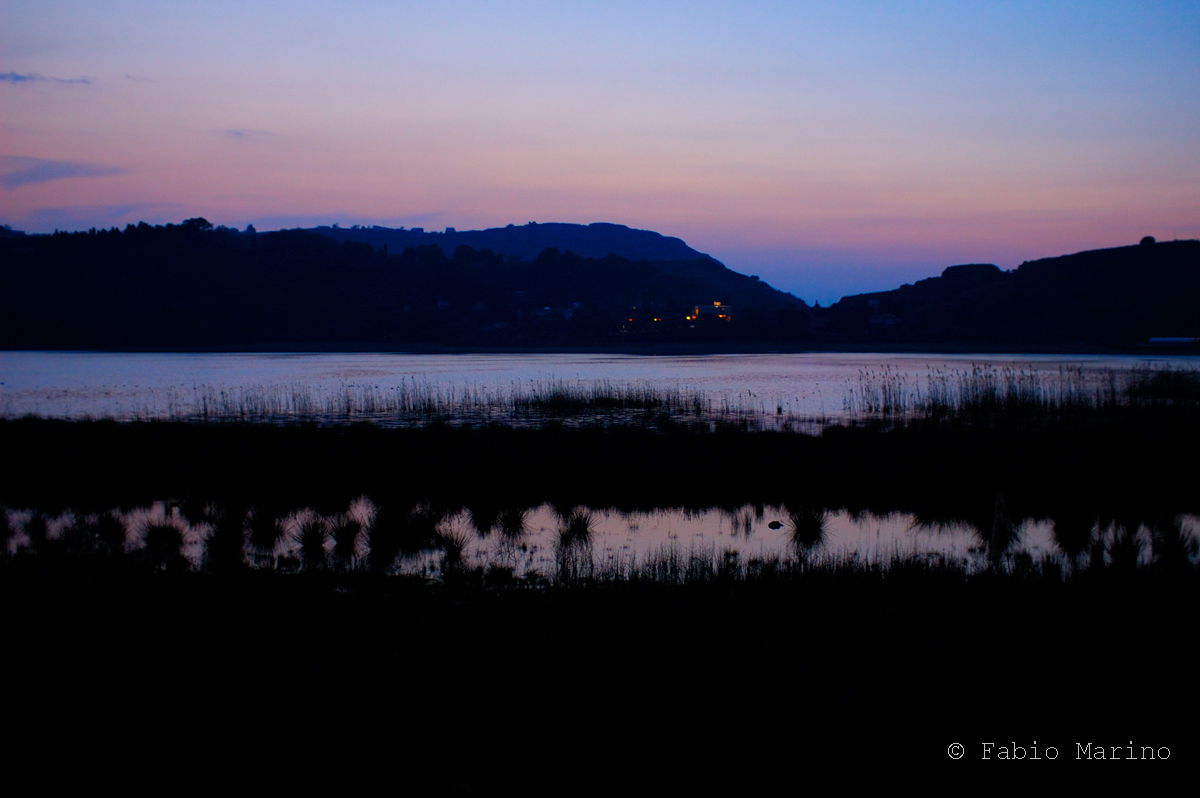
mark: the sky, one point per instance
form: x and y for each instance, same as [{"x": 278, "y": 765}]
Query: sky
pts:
[{"x": 828, "y": 147}]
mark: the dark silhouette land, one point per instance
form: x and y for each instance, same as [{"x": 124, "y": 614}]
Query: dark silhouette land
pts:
[{"x": 550, "y": 286}]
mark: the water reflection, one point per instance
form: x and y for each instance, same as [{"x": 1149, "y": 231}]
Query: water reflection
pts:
[
  {"x": 513, "y": 521},
  {"x": 806, "y": 527},
  {"x": 560, "y": 542},
  {"x": 1073, "y": 534},
  {"x": 313, "y": 538},
  {"x": 800, "y": 386},
  {"x": 1003, "y": 536},
  {"x": 1173, "y": 546},
  {"x": 224, "y": 549},
  {"x": 345, "y": 532}
]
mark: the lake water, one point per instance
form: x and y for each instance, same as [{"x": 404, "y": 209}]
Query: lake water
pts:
[
  {"x": 124, "y": 386},
  {"x": 618, "y": 543},
  {"x": 139, "y": 385}
]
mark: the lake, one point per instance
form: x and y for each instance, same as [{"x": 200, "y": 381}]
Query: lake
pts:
[
  {"x": 817, "y": 386},
  {"x": 608, "y": 543},
  {"x": 806, "y": 386}
]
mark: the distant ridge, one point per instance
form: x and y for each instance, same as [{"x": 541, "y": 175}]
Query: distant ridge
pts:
[
  {"x": 527, "y": 241},
  {"x": 196, "y": 286},
  {"x": 1119, "y": 297}
]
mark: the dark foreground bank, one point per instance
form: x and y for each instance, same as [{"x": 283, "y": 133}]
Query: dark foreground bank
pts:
[
  {"x": 461, "y": 686},
  {"x": 1125, "y": 463},
  {"x": 134, "y": 662}
]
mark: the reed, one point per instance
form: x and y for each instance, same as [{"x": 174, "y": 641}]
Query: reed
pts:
[
  {"x": 266, "y": 532},
  {"x": 1173, "y": 548},
  {"x": 513, "y": 523},
  {"x": 346, "y": 533},
  {"x": 225, "y": 547},
  {"x": 313, "y": 536},
  {"x": 162, "y": 547},
  {"x": 806, "y": 528},
  {"x": 110, "y": 533},
  {"x": 415, "y": 536},
  {"x": 981, "y": 394},
  {"x": 453, "y": 545},
  {"x": 987, "y": 395}
]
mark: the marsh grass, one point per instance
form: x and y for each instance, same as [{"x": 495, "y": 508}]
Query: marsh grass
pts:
[
  {"x": 399, "y": 531},
  {"x": 1068, "y": 446},
  {"x": 110, "y": 533},
  {"x": 346, "y": 533},
  {"x": 415, "y": 403},
  {"x": 312, "y": 539},
  {"x": 981, "y": 394},
  {"x": 162, "y": 547},
  {"x": 484, "y": 518},
  {"x": 225, "y": 547},
  {"x": 421, "y": 540},
  {"x": 984, "y": 395},
  {"x": 266, "y": 533},
  {"x": 513, "y": 522},
  {"x": 806, "y": 529},
  {"x": 1172, "y": 547},
  {"x": 454, "y": 546},
  {"x": 574, "y": 556}
]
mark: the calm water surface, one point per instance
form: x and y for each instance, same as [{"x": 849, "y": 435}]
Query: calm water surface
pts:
[
  {"x": 129, "y": 385},
  {"x": 619, "y": 542}
]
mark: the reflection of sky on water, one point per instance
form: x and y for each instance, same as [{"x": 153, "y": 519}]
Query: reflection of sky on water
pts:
[
  {"x": 619, "y": 537},
  {"x": 123, "y": 385},
  {"x": 620, "y": 542}
]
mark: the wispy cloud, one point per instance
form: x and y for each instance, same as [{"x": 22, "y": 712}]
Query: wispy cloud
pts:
[
  {"x": 21, "y": 171},
  {"x": 247, "y": 134},
  {"x": 33, "y": 77}
]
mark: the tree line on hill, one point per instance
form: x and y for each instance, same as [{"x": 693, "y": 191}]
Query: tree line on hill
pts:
[
  {"x": 1120, "y": 297},
  {"x": 195, "y": 286}
]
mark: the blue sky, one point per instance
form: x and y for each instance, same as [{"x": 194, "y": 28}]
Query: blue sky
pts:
[{"x": 828, "y": 147}]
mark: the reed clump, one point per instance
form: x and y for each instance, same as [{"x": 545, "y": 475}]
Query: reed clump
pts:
[
  {"x": 984, "y": 395},
  {"x": 415, "y": 403}
]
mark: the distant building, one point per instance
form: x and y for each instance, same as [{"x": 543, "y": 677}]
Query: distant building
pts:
[{"x": 718, "y": 309}]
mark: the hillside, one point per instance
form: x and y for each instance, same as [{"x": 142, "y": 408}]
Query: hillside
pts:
[
  {"x": 528, "y": 241},
  {"x": 190, "y": 286},
  {"x": 1108, "y": 297}
]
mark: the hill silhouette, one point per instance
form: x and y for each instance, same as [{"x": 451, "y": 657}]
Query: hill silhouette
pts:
[
  {"x": 1117, "y": 297},
  {"x": 192, "y": 286},
  {"x": 527, "y": 241}
]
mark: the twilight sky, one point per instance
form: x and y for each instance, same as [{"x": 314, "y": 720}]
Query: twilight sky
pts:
[{"x": 829, "y": 147}]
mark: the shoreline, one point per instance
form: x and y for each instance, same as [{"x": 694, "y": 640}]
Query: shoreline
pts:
[{"x": 648, "y": 351}]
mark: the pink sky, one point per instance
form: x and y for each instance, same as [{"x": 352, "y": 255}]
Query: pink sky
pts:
[{"x": 829, "y": 151}]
